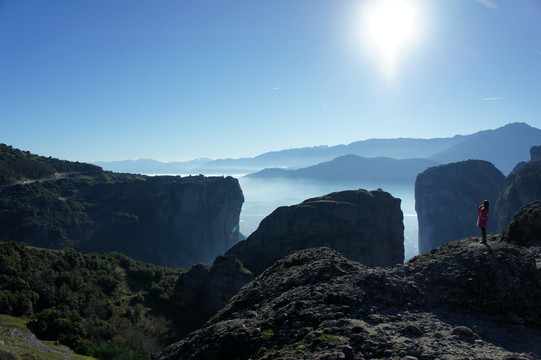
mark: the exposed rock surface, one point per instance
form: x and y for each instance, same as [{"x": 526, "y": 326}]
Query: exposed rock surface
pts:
[
  {"x": 204, "y": 289},
  {"x": 445, "y": 197},
  {"x": 167, "y": 220},
  {"x": 525, "y": 228},
  {"x": 521, "y": 187},
  {"x": 363, "y": 225},
  {"x": 464, "y": 300},
  {"x": 535, "y": 153}
]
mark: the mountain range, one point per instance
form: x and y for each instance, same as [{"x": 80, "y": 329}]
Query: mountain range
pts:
[{"x": 504, "y": 147}]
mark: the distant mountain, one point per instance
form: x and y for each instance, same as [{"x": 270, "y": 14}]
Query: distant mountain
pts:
[
  {"x": 504, "y": 147},
  {"x": 401, "y": 148},
  {"x": 355, "y": 169}
]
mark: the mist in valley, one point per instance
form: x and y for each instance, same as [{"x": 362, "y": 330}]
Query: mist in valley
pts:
[{"x": 263, "y": 196}]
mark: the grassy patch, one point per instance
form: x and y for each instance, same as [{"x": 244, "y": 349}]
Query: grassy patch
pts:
[
  {"x": 267, "y": 334},
  {"x": 14, "y": 322}
]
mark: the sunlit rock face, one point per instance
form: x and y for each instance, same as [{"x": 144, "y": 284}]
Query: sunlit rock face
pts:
[
  {"x": 522, "y": 187},
  {"x": 366, "y": 226},
  {"x": 445, "y": 198}
]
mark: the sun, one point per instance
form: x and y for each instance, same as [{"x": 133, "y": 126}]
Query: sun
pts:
[{"x": 390, "y": 27}]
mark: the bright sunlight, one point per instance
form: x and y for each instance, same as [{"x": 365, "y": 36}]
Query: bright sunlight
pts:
[{"x": 390, "y": 27}]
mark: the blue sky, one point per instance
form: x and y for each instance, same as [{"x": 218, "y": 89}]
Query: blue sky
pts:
[{"x": 184, "y": 79}]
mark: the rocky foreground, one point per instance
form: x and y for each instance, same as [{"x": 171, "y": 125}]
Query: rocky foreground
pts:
[{"x": 463, "y": 300}]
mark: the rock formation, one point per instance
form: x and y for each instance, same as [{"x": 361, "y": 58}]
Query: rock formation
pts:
[
  {"x": 535, "y": 153},
  {"x": 363, "y": 225},
  {"x": 167, "y": 220},
  {"x": 445, "y": 197},
  {"x": 525, "y": 227},
  {"x": 203, "y": 290},
  {"x": 522, "y": 186},
  {"x": 462, "y": 300}
]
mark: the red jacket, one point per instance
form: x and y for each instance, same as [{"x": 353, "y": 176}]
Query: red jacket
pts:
[{"x": 483, "y": 216}]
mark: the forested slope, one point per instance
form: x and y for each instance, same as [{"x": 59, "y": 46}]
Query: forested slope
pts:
[{"x": 96, "y": 304}]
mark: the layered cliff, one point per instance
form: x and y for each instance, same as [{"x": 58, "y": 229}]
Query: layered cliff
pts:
[
  {"x": 521, "y": 187},
  {"x": 365, "y": 226},
  {"x": 461, "y": 300},
  {"x": 170, "y": 221},
  {"x": 445, "y": 197}
]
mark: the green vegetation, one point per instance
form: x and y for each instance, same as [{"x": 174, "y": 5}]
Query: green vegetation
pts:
[
  {"x": 267, "y": 334},
  {"x": 21, "y": 344},
  {"x": 107, "y": 306},
  {"x": 268, "y": 351},
  {"x": 17, "y": 165}
]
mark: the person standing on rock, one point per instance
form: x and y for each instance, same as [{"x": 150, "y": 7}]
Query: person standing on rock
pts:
[{"x": 483, "y": 218}]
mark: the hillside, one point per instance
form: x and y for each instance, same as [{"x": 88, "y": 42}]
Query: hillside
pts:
[
  {"x": 17, "y": 166},
  {"x": 95, "y": 304}
]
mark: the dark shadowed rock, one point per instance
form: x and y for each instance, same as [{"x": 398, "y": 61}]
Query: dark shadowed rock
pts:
[
  {"x": 363, "y": 225},
  {"x": 462, "y": 300},
  {"x": 204, "y": 289},
  {"x": 525, "y": 227},
  {"x": 535, "y": 153},
  {"x": 445, "y": 198},
  {"x": 521, "y": 188}
]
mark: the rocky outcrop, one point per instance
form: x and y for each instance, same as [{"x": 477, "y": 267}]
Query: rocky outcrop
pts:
[
  {"x": 166, "y": 220},
  {"x": 462, "y": 300},
  {"x": 445, "y": 197},
  {"x": 535, "y": 153},
  {"x": 203, "y": 290},
  {"x": 363, "y": 225},
  {"x": 525, "y": 227},
  {"x": 521, "y": 187}
]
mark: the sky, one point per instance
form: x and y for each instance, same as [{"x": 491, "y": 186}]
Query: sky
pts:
[{"x": 175, "y": 80}]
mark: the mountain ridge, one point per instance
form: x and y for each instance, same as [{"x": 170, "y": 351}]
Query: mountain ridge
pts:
[{"x": 504, "y": 146}]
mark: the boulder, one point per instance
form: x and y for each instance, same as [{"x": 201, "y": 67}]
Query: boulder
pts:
[
  {"x": 525, "y": 227},
  {"x": 366, "y": 226},
  {"x": 445, "y": 198}
]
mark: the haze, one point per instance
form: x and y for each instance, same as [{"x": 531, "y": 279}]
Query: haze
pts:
[{"x": 180, "y": 80}]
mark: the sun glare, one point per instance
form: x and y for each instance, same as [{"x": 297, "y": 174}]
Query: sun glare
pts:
[{"x": 389, "y": 27}]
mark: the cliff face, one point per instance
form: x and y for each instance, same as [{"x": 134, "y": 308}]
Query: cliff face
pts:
[
  {"x": 363, "y": 225},
  {"x": 461, "y": 300},
  {"x": 521, "y": 187},
  {"x": 176, "y": 221},
  {"x": 445, "y": 197},
  {"x": 170, "y": 221},
  {"x": 535, "y": 153}
]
